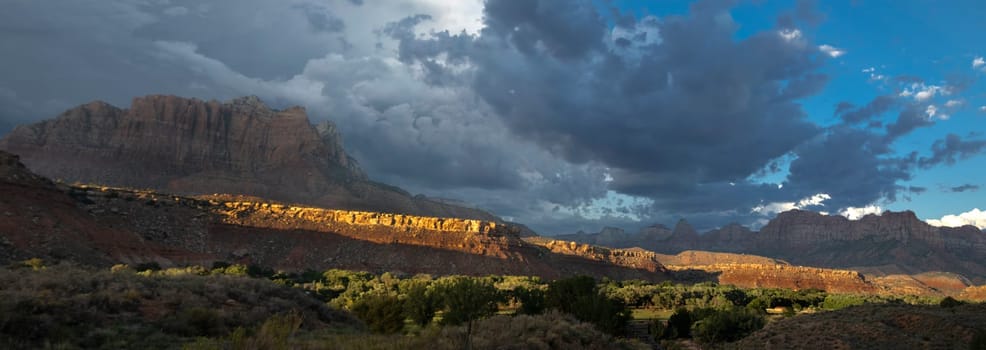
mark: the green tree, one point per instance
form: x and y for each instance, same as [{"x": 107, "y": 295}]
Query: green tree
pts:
[
  {"x": 727, "y": 325},
  {"x": 580, "y": 297},
  {"x": 420, "y": 303},
  {"x": 949, "y": 302},
  {"x": 679, "y": 325},
  {"x": 383, "y": 313},
  {"x": 532, "y": 301},
  {"x": 466, "y": 300}
]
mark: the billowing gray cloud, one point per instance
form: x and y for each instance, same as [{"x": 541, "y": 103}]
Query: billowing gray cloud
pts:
[
  {"x": 849, "y": 165},
  {"x": 879, "y": 105},
  {"x": 674, "y": 115},
  {"x": 950, "y": 149},
  {"x": 539, "y": 112}
]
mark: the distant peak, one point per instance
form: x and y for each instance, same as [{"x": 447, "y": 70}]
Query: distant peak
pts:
[{"x": 684, "y": 228}]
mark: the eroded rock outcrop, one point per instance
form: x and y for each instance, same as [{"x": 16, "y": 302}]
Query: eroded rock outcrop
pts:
[
  {"x": 189, "y": 146},
  {"x": 268, "y": 214},
  {"x": 99, "y": 225}
]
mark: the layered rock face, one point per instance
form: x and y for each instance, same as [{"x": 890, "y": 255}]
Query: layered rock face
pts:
[
  {"x": 96, "y": 225},
  {"x": 892, "y": 243},
  {"x": 190, "y": 146}
]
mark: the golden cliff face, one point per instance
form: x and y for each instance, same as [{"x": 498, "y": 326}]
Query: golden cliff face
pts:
[{"x": 240, "y": 213}]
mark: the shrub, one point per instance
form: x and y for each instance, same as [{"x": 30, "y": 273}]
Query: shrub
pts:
[
  {"x": 727, "y": 325},
  {"x": 679, "y": 325},
  {"x": 840, "y": 301},
  {"x": 421, "y": 303},
  {"x": 580, "y": 297},
  {"x": 551, "y": 330},
  {"x": 949, "y": 302},
  {"x": 532, "y": 301},
  {"x": 383, "y": 313},
  {"x": 467, "y": 299}
]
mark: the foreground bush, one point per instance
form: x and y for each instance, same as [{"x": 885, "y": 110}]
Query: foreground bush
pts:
[
  {"x": 552, "y": 330},
  {"x": 581, "y": 297},
  {"x": 68, "y": 307},
  {"x": 727, "y": 325}
]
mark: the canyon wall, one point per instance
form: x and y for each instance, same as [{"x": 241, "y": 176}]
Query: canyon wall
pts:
[{"x": 190, "y": 147}]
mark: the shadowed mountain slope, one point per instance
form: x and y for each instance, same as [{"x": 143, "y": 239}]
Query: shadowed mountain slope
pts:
[
  {"x": 190, "y": 147},
  {"x": 887, "y": 244}
]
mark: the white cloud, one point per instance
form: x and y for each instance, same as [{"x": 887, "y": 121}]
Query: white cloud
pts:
[
  {"x": 978, "y": 62},
  {"x": 854, "y": 213},
  {"x": 817, "y": 199},
  {"x": 453, "y": 16},
  {"x": 933, "y": 112},
  {"x": 954, "y": 103},
  {"x": 982, "y": 109},
  {"x": 780, "y": 207},
  {"x": 974, "y": 217},
  {"x": 833, "y": 51},
  {"x": 789, "y": 34},
  {"x": 869, "y": 70},
  {"x": 922, "y": 92}
]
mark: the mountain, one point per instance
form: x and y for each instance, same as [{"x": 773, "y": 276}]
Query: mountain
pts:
[
  {"x": 101, "y": 226},
  {"x": 887, "y": 244},
  {"x": 37, "y": 219},
  {"x": 191, "y": 147}
]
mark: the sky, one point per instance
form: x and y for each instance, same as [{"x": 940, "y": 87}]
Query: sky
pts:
[{"x": 566, "y": 115}]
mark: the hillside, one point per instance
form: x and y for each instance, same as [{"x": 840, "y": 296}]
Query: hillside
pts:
[
  {"x": 192, "y": 147},
  {"x": 874, "y": 327},
  {"x": 101, "y": 226},
  {"x": 879, "y": 245},
  {"x": 68, "y": 307}
]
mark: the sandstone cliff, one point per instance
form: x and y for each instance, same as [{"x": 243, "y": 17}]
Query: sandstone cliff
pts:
[
  {"x": 103, "y": 225},
  {"x": 190, "y": 146}
]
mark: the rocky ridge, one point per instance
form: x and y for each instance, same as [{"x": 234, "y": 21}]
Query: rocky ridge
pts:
[
  {"x": 887, "y": 244},
  {"x": 98, "y": 225},
  {"x": 193, "y": 147},
  {"x": 103, "y": 225}
]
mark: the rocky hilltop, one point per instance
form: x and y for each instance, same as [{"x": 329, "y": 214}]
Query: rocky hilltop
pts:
[
  {"x": 190, "y": 147},
  {"x": 887, "y": 244},
  {"x": 95, "y": 225},
  {"x": 101, "y": 226}
]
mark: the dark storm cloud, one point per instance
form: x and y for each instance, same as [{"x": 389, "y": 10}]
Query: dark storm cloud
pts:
[
  {"x": 547, "y": 106},
  {"x": 565, "y": 29},
  {"x": 879, "y": 105},
  {"x": 909, "y": 119},
  {"x": 963, "y": 188},
  {"x": 676, "y": 120},
  {"x": 847, "y": 164},
  {"x": 805, "y": 11},
  {"x": 321, "y": 19},
  {"x": 679, "y": 112},
  {"x": 950, "y": 149},
  {"x": 256, "y": 39}
]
